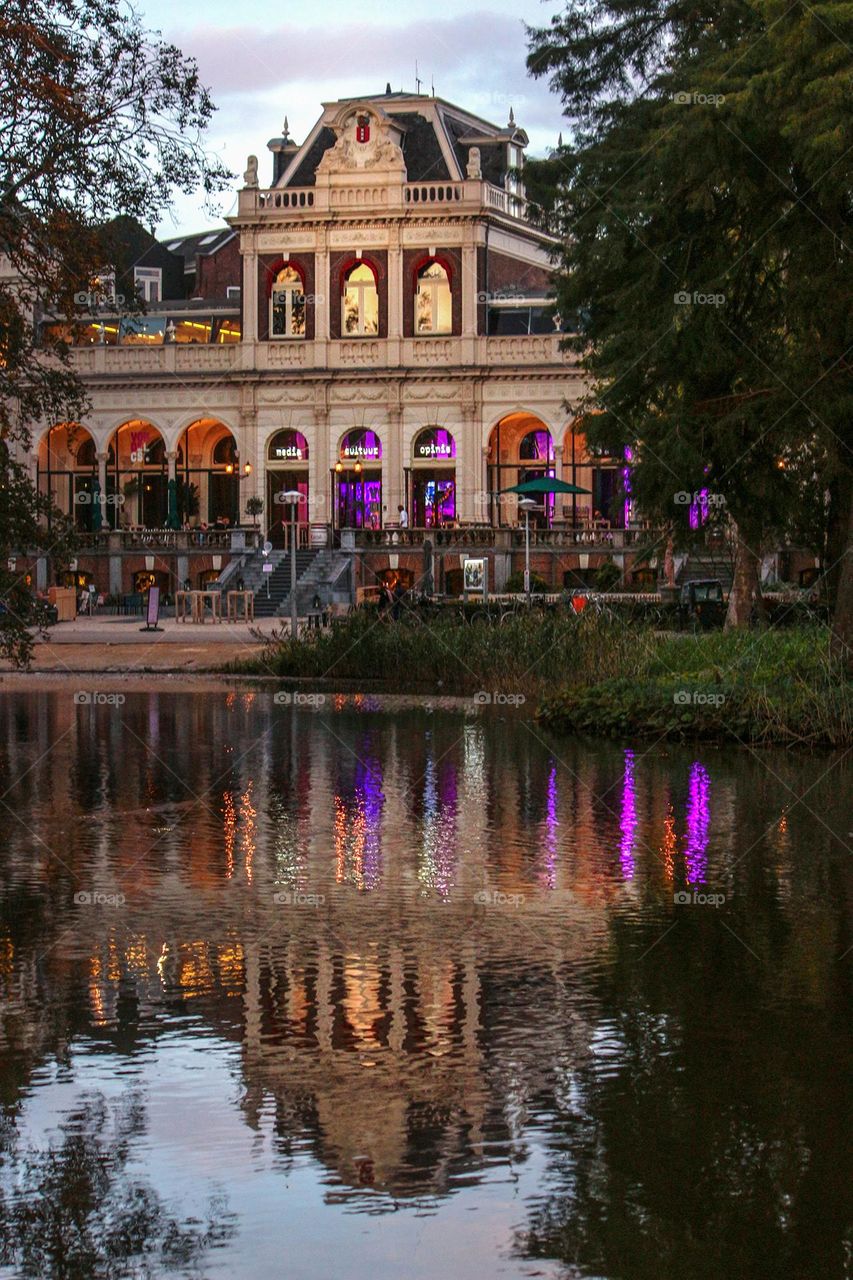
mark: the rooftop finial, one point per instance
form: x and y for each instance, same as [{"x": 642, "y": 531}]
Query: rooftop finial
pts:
[
  {"x": 511, "y": 119},
  {"x": 387, "y": 87},
  {"x": 286, "y": 130},
  {"x": 560, "y": 141}
]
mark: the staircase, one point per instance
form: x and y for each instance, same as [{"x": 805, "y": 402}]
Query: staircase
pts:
[
  {"x": 272, "y": 592},
  {"x": 707, "y": 562}
]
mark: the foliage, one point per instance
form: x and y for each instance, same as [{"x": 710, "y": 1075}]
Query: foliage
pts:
[
  {"x": 97, "y": 118},
  {"x": 515, "y": 583},
  {"x": 77, "y": 1209},
  {"x": 607, "y": 576},
  {"x": 704, "y": 209},
  {"x": 782, "y": 687}
]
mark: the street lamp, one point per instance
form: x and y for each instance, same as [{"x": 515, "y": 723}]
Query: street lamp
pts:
[
  {"x": 292, "y": 497},
  {"x": 526, "y": 504}
]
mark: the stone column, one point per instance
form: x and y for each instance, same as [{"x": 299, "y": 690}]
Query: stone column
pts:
[
  {"x": 249, "y": 293},
  {"x": 468, "y": 466},
  {"x": 323, "y": 299},
  {"x": 248, "y": 449},
  {"x": 392, "y": 465},
  {"x": 319, "y": 464},
  {"x": 395, "y": 298}
]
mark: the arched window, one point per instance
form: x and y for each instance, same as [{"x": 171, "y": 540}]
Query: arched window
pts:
[
  {"x": 86, "y": 453},
  {"x": 537, "y": 446},
  {"x": 287, "y": 305},
  {"x": 225, "y": 452},
  {"x": 433, "y": 313},
  {"x": 155, "y": 453},
  {"x": 360, "y": 303},
  {"x": 288, "y": 446}
]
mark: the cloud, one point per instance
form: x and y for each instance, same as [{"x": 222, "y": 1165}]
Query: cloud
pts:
[
  {"x": 476, "y": 60},
  {"x": 245, "y": 58}
]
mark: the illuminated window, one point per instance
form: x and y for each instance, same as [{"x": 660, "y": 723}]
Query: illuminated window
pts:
[
  {"x": 432, "y": 300},
  {"x": 186, "y": 330},
  {"x": 360, "y": 303},
  {"x": 148, "y": 282},
  {"x": 228, "y": 331},
  {"x": 287, "y": 305},
  {"x": 142, "y": 331}
]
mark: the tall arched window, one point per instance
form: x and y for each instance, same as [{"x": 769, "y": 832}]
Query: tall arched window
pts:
[
  {"x": 360, "y": 303},
  {"x": 287, "y": 305},
  {"x": 433, "y": 312}
]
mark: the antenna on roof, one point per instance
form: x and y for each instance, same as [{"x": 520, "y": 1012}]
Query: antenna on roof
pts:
[{"x": 417, "y": 79}]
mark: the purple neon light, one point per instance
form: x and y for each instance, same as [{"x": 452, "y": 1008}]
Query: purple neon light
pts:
[
  {"x": 628, "y": 821},
  {"x": 698, "y": 816}
]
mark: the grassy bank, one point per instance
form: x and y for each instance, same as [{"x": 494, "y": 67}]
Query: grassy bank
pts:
[
  {"x": 596, "y": 674},
  {"x": 762, "y": 688}
]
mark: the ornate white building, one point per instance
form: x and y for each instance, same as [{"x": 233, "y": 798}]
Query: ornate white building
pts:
[{"x": 375, "y": 332}]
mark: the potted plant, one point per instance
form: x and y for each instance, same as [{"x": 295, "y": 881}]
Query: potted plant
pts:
[{"x": 254, "y": 507}]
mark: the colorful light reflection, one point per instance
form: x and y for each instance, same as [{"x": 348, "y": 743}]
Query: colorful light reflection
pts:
[{"x": 698, "y": 818}]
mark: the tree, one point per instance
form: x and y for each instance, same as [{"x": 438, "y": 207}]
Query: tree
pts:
[
  {"x": 704, "y": 209},
  {"x": 98, "y": 118}
]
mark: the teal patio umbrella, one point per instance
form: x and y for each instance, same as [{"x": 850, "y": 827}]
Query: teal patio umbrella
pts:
[
  {"x": 97, "y": 512},
  {"x": 543, "y": 484},
  {"x": 172, "y": 518}
]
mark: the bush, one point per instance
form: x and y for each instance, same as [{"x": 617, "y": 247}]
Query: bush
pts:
[
  {"x": 607, "y": 576},
  {"x": 515, "y": 583}
]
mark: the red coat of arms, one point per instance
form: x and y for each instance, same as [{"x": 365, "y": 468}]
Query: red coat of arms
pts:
[{"x": 362, "y": 128}]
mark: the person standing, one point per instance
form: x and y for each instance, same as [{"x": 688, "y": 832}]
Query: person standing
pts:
[{"x": 404, "y": 516}]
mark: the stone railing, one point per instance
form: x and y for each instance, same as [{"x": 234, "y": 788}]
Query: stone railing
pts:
[
  {"x": 171, "y": 358},
  {"x": 116, "y": 541},
  {"x": 485, "y": 537},
  {"x": 385, "y": 192},
  {"x": 343, "y": 353}
]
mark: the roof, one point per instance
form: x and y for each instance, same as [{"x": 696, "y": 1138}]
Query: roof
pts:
[
  {"x": 200, "y": 243},
  {"x": 434, "y": 134}
]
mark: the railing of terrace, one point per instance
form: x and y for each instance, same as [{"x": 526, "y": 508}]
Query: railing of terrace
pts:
[{"x": 119, "y": 540}]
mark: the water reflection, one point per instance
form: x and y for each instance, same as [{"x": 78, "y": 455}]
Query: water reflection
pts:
[{"x": 428, "y": 967}]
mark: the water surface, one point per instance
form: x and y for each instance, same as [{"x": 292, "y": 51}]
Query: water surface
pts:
[{"x": 375, "y": 989}]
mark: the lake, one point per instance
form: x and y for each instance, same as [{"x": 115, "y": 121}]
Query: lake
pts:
[{"x": 336, "y": 986}]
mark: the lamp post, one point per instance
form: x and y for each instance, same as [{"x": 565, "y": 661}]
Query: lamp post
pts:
[
  {"x": 292, "y": 497},
  {"x": 526, "y": 504}
]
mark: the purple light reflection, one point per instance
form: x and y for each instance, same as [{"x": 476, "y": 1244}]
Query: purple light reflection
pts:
[
  {"x": 549, "y": 872},
  {"x": 628, "y": 822},
  {"x": 698, "y": 815}
]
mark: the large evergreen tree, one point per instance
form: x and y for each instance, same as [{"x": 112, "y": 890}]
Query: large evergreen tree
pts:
[
  {"x": 704, "y": 210},
  {"x": 98, "y": 117}
]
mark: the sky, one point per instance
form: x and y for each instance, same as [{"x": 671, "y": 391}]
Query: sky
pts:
[{"x": 263, "y": 63}]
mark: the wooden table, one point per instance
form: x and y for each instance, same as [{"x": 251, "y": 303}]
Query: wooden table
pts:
[
  {"x": 184, "y": 606},
  {"x": 199, "y": 600},
  {"x": 237, "y": 600}
]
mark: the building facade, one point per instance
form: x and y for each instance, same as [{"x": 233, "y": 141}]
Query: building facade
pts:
[{"x": 372, "y": 331}]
